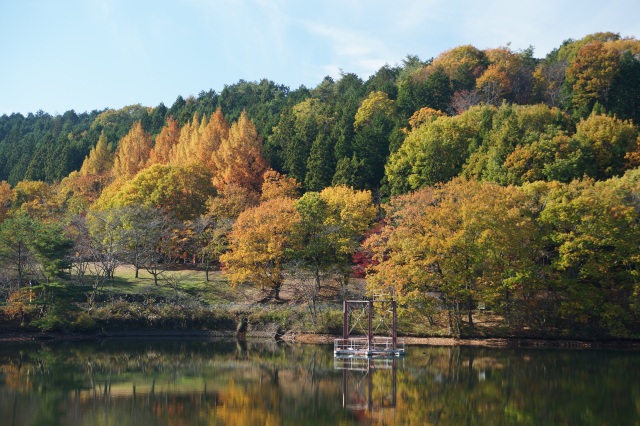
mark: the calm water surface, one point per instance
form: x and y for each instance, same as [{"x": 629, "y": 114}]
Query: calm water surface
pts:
[{"x": 140, "y": 383}]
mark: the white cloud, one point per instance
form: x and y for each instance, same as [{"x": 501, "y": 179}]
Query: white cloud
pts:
[
  {"x": 331, "y": 70},
  {"x": 355, "y": 50}
]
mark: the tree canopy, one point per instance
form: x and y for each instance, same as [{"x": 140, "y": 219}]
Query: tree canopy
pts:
[{"x": 475, "y": 178}]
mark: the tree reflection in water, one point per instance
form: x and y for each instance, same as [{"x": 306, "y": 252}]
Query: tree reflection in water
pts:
[{"x": 131, "y": 382}]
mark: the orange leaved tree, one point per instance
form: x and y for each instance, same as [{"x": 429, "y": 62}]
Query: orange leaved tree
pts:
[
  {"x": 239, "y": 159},
  {"x": 260, "y": 244},
  {"x": 133, "y": 152}
]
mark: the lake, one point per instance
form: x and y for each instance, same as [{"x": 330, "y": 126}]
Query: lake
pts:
[{"x": 188, "y": 382}]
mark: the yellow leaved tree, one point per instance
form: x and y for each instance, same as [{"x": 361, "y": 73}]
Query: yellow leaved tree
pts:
[
  {"x": 261, "y": 242},
  {"x": 132, "y": 153},
  {"x": 165, "y": 141},
  {"x": 239, "y": 159}
]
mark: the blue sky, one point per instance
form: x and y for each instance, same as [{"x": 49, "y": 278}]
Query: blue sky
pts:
[{"x": 93, "y": 54}]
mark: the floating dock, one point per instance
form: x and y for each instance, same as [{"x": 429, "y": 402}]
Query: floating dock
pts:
[
  {"x": 362, "y": 347},
  {"x": 356, "y": 312}
]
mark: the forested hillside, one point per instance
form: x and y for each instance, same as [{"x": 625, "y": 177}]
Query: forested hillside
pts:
[
  {"x": 342, "y": 131},
  {"x": 476, "y": 178}
]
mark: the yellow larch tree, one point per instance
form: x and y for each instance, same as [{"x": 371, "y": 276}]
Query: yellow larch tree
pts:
[
  {"x": 133, "y": 152},
  {"x": 6, "y": 197},
  {"x": 210, "y": 137},
  {"x": 165, "y": 141},
  {"x": 239, "y": 159},
  {"x": 81, "y": 188},
  {"x": 181, "y": 152},
  {"x": 199, "y": 139},
  {"x": 100, "y": 159}
]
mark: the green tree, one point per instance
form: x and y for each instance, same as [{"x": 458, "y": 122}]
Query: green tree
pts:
[
  {"x": 52, "y": 247},
  {"x": 350, "y": 171},
  {"x": 181, "y": 190},
  {"x": 373, "y": 125},
  {"x": 207, "y": 240},
  {"x": 625, "y": 89},
  {"x": 609, "y": 139},
  {"x": 593, "y": 230},
  {"x": 296, "y": 134},
  {"x": 16, "y": 233},
  {"x": 146, "y": 235},
  {"x": 426, "y": 87},
  {"x": 321, "y": 164},
  {"x": 510, "y": 126},
  {"x": 312, "y": 241},
  {"x": 433, "y": 152},
  {"x": 33, "y": 249}
]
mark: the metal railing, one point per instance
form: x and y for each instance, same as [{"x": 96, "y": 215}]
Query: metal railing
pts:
[
  {"x": 361, "y": 344},
  {"x": 364, "y": 363}
]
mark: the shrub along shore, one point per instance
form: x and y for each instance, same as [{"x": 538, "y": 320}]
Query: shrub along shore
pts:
[{"x": 192, "y": 308}]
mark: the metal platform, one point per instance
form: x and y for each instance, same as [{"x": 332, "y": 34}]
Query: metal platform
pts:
[
  {"x": 362, "y": 347},
  {"x": 368, "y": 318}
]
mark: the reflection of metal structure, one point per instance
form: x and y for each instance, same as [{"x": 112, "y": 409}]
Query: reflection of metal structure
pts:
[
  {"x": 360, "y": 357},
  {"x": 380, "y": 317},
  {"x": 360, "y": 392}
]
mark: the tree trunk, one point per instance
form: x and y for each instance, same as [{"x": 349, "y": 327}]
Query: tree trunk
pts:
[
  {"x": 276, "y": 291},
  {"x": 507, "y": 307},
  {"x": 450, "y": 319},
  {"x": 317, "y": 277},
  {"x": 458, "y": 318}
]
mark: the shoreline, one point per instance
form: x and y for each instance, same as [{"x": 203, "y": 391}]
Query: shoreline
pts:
[
  {"x": 488, "y": 342},
  {"x": 310, "y": 338}
]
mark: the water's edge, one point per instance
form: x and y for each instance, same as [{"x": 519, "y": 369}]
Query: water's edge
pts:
[{"x": 309, "y": 338}]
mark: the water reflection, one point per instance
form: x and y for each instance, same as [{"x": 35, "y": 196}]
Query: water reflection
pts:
[
  {"x": 369, "y": 385},
  {"x": 138, "y": 383},
  {"x": 233, "y": 383}
]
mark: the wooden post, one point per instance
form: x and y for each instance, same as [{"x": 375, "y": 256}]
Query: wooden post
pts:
[
  {"x": 394, "y": 326},
  {"x": 370, "y": 383},
  {"x": 370, "y": 333},
  {"x": 345, "y": 319},
  {"x": 393, "y": 384},
  {"x": 345, "y": 388}
]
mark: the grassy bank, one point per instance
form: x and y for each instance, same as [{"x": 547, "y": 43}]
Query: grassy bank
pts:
[{"x": 185, "y": 302}]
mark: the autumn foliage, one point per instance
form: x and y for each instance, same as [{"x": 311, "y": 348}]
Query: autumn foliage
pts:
[
  {"x": 494, "y": 179},
  {"x": 261, "y": 241}
]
